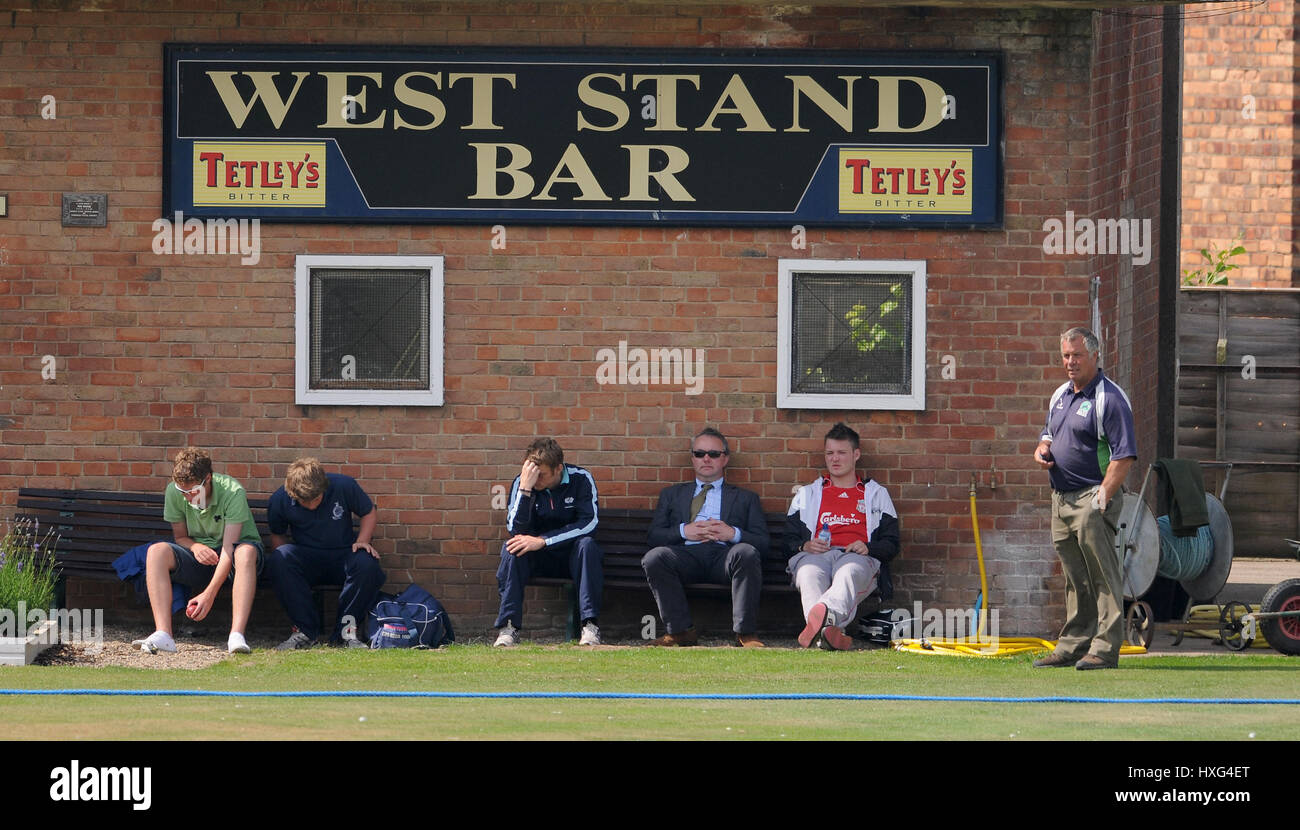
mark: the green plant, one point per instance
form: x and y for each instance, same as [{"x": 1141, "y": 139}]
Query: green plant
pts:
[
  {"x": 878, "y": 327},
  {"x": 28, "y": 572},
  {"x": 1217, "y": 272}
]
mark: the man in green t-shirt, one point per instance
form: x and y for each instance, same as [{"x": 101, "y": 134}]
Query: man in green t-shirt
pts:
[{"x": 216, "y": 541}]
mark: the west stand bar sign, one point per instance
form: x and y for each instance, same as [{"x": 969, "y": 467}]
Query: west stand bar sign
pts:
[{"x": 600, "y": 137}]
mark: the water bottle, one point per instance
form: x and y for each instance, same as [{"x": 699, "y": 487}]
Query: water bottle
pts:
[{"x": 825, "y": 533}]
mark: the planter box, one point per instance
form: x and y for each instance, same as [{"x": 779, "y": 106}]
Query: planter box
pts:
[{"x": 21, "y": 651}]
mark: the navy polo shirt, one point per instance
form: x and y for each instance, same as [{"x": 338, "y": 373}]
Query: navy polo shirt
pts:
[
  {"x": 327, "y": 527},
  {"x": 1080, "y": 450}
]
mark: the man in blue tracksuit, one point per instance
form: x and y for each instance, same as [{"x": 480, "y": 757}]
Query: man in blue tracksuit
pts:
[{"x": 551, "y": 516}]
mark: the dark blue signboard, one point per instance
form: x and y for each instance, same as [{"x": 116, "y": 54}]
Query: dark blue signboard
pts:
[{"x": 482, "y": 136}]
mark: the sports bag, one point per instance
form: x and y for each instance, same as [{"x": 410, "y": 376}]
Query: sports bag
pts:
[{"x": 412, "y": 619}]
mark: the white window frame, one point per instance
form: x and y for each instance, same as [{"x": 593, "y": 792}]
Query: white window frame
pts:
[
  {"x": 785, "y": 399},
  {"x": 433, "y": 396}
]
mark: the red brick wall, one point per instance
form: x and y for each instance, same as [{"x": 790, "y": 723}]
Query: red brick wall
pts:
[
  {"x": 1125, "y": 180},
  {"x": 1239, "y": 107},
  {"x": 156, "y": 352}
]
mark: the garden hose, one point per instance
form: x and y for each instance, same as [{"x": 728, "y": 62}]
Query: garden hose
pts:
[
  {"x": 982, "y": 602},
  {"x": 1000, "y": 647}
]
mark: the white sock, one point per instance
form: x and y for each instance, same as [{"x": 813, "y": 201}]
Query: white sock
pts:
[{"x": 236, "y": 644}]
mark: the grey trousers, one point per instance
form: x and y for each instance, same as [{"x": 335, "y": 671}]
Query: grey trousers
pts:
[{"x": 670, "y": 569}]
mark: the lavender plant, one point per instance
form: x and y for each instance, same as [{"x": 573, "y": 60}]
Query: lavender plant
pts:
[{"x": 28, "y": 571}]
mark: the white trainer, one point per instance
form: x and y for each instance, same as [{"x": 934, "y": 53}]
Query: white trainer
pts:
[
  {"x": 156, "y": 642},
  {"x": 590, "y": 635},
  {"x": 236, "y": 644},
  {"x": 508, "y": 637}
]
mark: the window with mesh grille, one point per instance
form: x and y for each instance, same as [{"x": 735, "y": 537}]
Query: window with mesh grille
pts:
[
  {"x": 850, "y": 333},
  {"x": 369, "y": 328}
]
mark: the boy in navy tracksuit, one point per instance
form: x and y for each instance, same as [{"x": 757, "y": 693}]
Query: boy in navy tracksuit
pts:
[{"x": 551, "y": 516}]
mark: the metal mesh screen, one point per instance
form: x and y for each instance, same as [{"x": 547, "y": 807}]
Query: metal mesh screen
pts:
[
  {"x": 851, "y": 333},
  {"x": 369, "y": 328}
]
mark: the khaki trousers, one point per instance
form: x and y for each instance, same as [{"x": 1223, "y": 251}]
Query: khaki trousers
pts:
[{"x": 1094, "y": 590}]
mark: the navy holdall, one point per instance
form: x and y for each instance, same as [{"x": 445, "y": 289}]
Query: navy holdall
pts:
[{"x": 412, "y": 619}]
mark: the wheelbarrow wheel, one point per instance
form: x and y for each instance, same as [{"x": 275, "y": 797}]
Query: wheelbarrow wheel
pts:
[
  {"x": 1282, "y": 633},
  {"x": 1139, "y": 628},
  {"x": 1232, "y": 629}
]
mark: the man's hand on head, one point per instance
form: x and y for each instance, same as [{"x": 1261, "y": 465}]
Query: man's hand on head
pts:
[
  {"x": 528, "y": 475},
  {"x": 519, "y": 545}
]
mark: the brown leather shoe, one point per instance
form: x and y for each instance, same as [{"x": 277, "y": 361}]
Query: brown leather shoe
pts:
[
  {"x": 689, "y": 637},
  {"x": 749, "y": 641},
  {"x": 1092, "y": 661},
  {"x": 1054, "y": 661}
]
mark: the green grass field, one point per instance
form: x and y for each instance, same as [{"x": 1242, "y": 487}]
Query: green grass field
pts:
[{"x": 703, "y": 670}]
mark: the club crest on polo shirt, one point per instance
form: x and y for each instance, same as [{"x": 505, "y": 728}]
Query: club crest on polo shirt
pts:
[
  {"x": 1084, "y": 408},
  {"x": 338, "y": 511},
  {"x": 862, "y": 505}
]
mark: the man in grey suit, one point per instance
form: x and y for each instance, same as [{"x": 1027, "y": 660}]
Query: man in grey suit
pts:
[{"x": 707, "y": 531}]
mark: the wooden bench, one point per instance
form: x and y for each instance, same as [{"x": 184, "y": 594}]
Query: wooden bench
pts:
[
  {"x": 622, "y": 538},
  {"x": 97, "y": 526}
]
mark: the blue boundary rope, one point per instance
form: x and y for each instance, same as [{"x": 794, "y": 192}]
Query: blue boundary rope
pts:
[{"x": 644, "y": 696}]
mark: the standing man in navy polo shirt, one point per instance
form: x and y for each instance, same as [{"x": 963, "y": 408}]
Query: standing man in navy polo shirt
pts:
[
  {"x": 317, "y": 508},
  {"x": 1087, "y": 448}
]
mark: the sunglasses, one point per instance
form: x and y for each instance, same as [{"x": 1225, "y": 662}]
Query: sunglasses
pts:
[
  {"x": 193, "y": 490},
  {"x": 709, "y": 453}
]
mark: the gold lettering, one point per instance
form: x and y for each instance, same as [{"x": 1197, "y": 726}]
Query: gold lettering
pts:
[
  {"x": 514, "y": 168},
  {"x": 336, "y": 92},
  {"x": 263, "y": 88},
  {"x": 581, "y": 175},
  {"x": 745, "y": 106},
  {"x": 841, "y": 114},
  {"x": 419, "y": 100},
  {"x": 887, "y": 122},
  {"x": 639, "y": 173},
  {"x": 481, "y": 95},
  {"x": 611, "y": 104},
  {"x": 666, "y": 99}
]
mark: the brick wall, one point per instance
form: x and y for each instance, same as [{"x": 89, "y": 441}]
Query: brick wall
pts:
[
  {"x": 155, "y": 352},
  {"x": 1239, "y": 139}
]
